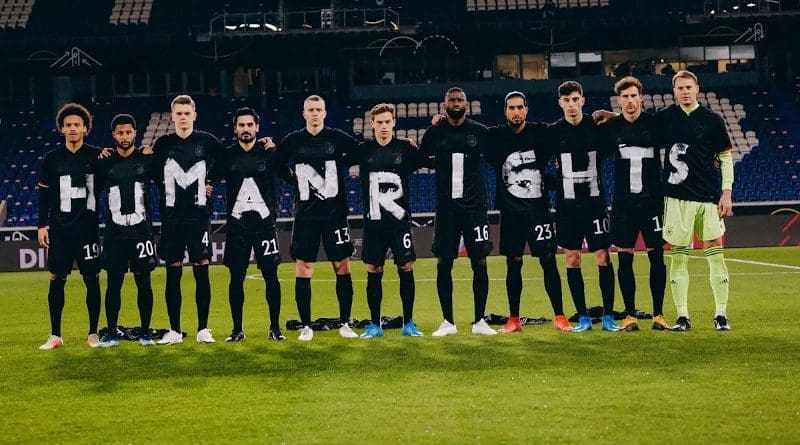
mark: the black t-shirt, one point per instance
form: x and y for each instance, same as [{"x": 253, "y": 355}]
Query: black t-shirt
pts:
[
  {"x": 70, "y": 181},
  {"x": 129, "y": 214},
  {"x": 320, "y": 165},
  {"x": 182, "y": 168},
  {"x": 693, "y": 143},
  {"x": 384, "y": 172},
  {"x": 579, "y": 151},
  {"x": 250, "y": 180},
  {"x": 637, "y": 157},
  {"x": 455, "y": 153},
  {"x": 519, "y": 161}
]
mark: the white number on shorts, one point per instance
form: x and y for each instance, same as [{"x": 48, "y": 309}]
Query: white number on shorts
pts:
[
  {"x": 600, "y": 226},
  {"x": 342, "y": 235},
  {"x": 407, "y": 240},
  {"x": 682, "y": 169},
  {"x": 145, "y": 249},
  {"x": 205, "y": 238},
  {"x": 92, "y": 251},
  {"x": 543, "y": 232},
  {"x": 481, "y": 230},
  {"x": 657, "y": 222},
  {"x": 270, "y": 246}
]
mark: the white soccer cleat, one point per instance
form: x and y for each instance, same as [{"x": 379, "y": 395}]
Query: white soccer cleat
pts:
[
  {"x": 482, "y": 328},
  {"x": 446, "y": 328},
  {"x": 93, "y": 340},
  {"x": 204, "y": 336},
  {"x": 53, "y": 342},
  {"x": 347, "y": 332},
  {"x": 171, "y": 338},
  {"x": 306, "y": 333}
]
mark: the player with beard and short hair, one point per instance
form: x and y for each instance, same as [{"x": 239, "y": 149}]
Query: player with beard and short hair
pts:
[
  {"x": 250, "y": 173},
  {"x": 519, "y": 156},
  {"x": 128, "y": 237},
  {"x": 184, "y": 168},
  {"x": 455, "y": 147},
  {"x": 67, "y": 200},
  {"x": 320, "y": 158}
]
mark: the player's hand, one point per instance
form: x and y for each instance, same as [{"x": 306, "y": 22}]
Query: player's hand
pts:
[
  {"x": 44, "y": 237},
  {"x": 602, "y": 116},
  {"x": 269, "y": 144},
  {"x": 436, "y": 118},
  {"x": 209, "y": 190},
  {"x": 106, "y": 152},
  {"x": 725, "y": 207},
  {"x": 147, "y": 149}
]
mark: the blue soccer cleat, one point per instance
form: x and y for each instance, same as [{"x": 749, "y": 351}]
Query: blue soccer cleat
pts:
[
  {"x": 145, "y": 340},
  {"x": 410, "y": 329},
  {"x": 609, "y": 324},
  {"x": 372, "y": 331},
  {"x": 584, "y": 324},
  {"x": 110, "y": 342}
]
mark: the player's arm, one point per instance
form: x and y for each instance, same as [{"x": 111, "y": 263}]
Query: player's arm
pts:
[
  {"x": 157, "y": 161},
  {"x": 602, "y": 116},
  {"x": 349, "y": 148},
  {"x": 219, "y": 161},
  {"x": 283, "y": 157},
  {"x": 725, "y": 206},
  {"x": 425, "y": 154},
  {"x": 44, "y": 204}
]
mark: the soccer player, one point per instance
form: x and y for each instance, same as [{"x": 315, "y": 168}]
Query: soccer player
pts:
[
  {"x": 454, "y": 147},
  {"x": 68, "y": 202},
  {"x": 320, "y": 158},
  {"x": 519, "y": 159},
  {"x": 250, "y": 174},
  {"x": 128, "y": 238},
  {"x": 695, "y": 200},
  {"x": 581, "y": 206},
  {"x": 183, "y": 166},
  {"x": 638, "y": 202},
  {"x": 386, "y": 163}
]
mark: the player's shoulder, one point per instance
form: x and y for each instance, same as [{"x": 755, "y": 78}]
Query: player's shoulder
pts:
[
  {"x": 204, "y": 135},
  {"x": 91, "y": 149},
  {"x": 476, "y": 125}
]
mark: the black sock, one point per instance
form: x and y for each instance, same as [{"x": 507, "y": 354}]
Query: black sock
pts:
[
  {"x": 627, "y": 282},
  {"x": 202, "y": 295},
  {"x": 55, "y": 302},
  {"x": 302, "y": 295},
  {"x": 273, "y": 295},
  {"x": 513, "y": 284},
  {"x": 606, "y": 278},
  {"x": 480, "y": 286},
  {"x": 374, "y": 296},
  {"x": 444, "y": 287},
  {"x": 236, "y": 297},
  {"x": 552, "y": 283},
  {"x": 407, "y": 293},
  {"x": 344, "y": 293},
  {"x": 172, "y": 291},
  {"x": 92, "y": 301},
  {"x": 113, "y": 300},
  {"x": 575, "y": 282},
  {"x": 658, "y": 279},
  {"x": 144, "y": 300}
]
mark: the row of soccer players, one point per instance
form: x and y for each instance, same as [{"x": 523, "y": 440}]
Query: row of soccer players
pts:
[{"x": 184, "y": 164}]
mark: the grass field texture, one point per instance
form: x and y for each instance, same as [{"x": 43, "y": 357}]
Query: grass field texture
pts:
[{"x": 540, "y": 385}]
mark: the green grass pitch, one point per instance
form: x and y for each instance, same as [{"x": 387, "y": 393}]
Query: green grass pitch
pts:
[{"x": 538, "y": 386}]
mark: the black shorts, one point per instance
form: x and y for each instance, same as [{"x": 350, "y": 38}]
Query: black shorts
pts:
[
  {"x": 120, "y": 256},
  {"x": 70, "y": 246},
  {"x": 378, "y": 239},
  {"x": 239, "y": 246},
  {"x": 335, "y": 236},
  {"x": 589, "y": 222},
  {"x": 630, "y": 217},
  {"x": 451, "y": 225},
  {"x": 534, "y": 228},
  {"x": 177, "y": 239}
]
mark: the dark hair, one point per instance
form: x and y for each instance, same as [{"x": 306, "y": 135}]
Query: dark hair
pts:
[
  {"x": 512, "y": 95},
  {"x": 122, "y": 119},
  {"x": 245, "y": 111},
  {"x": 627, "y": 82},
  {"x": 455, "y": 90},
  {"x": 569, "y": 87},
  {"x": 73, "y": 109}
]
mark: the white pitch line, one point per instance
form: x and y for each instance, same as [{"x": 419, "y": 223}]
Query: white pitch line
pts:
[{"x": 759, "y": 263}]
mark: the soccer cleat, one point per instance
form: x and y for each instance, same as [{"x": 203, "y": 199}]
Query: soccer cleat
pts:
[
  {"x": 561, "y": 323},
  {"x": 630, "y": 323},
  {"x": 660, "y": 323},
  {"x": 584, "y": 324},
  {"x": 410, "y": 329},
  {"x": 347, "y": 332},
  {"x": 372, "y": 331},
  {"x": 609, "y": 324},
  {"x": 53, "y": 342},
  {"x": 171, "y": 338},
  {"x": 93, "y": 340},
  {"x": 276, "y": 334},
  {"x": 145, "y": 340},
  {"x": 483, "y": 328},
  {"x": 721, "y": 323},
  {"x": 110, "y": 342},
  {"x": 235, "y": 336},
  {"x": 306, "y": 333},
  {"x": 513, "y": 325},
  {"x": 682, "y": 324},
  {"x": 446, "y": 328},
  {"x": 204, "y": 336}
]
